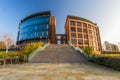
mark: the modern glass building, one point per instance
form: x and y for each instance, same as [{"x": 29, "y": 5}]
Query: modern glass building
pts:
[
  {"x": 37, "y": 27},
  {"x": 82, "y": 32}
]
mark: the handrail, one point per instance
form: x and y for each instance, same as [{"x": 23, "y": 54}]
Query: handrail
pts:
[
  {"x": 35, "y": 51},
  {"x": 80, "y": 50}
]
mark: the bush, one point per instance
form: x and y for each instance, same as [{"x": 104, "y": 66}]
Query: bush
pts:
[
  {"x": 112, "y": 62},
  {"x": 88, "y": 50},
  {"x": 31, "y": 47}
]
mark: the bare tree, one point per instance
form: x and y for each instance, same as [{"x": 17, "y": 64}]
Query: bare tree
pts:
[{"x": 7, "y": 39}]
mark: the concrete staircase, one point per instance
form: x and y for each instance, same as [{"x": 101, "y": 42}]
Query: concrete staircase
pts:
[{"x": 58, "y": 53}]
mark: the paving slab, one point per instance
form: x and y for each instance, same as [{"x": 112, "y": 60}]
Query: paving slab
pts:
[{"x": 62, "y": 71}]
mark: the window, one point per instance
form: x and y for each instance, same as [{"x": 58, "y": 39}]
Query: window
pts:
[
  {"x": 85, "y": 41},
  {"x": 85, "y": 36},
  {"x": 73, "y": 29},
  {"x": 94, "y": 44},
  {"x": 84, "y": 25},
  {"x": 73, "y": 35},
  {"x": 91, "y": 37},
  {"x": 79, "y": 24},
  {"x": 74, "y": 41},
  {"x": 79, "y": 35},
  {"x": 97, "y": 49},
  {"x": 79, "y": 29},
  {"x": 85, "y": 30},
  {"x": 80, "y": 42},
  {"x": 96, "y": 33},
  {"x": 89, "y": 26},
  {"x": 90, "y": 42},
  {"x": 90, "y": 32},
  {"x": 72, "y": 23}
]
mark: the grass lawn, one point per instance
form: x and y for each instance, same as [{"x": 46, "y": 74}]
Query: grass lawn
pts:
[{"x": 9, "y": 52}]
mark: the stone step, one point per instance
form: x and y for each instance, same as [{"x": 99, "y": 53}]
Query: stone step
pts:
[{"x": 55, "y": 53}]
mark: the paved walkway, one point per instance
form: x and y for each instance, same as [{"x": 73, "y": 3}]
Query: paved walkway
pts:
[
  {"x": 58, "y": 53},
  {"x": 44, "y": 71}
]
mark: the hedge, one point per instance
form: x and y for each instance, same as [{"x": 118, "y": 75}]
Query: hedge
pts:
[{"x": 112, "y": 62}]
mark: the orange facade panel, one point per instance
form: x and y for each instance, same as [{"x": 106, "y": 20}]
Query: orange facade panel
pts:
[{"x": 52, "y": 30}]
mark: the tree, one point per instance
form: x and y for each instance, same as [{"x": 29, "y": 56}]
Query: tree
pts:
[{"x": 7, "y": 39}]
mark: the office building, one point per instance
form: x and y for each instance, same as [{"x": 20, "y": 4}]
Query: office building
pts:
[
  {"x": 37, "y": 27},
  {"x": 82, "y": 32}
]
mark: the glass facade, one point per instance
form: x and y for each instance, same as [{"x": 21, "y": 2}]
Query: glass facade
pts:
[{"x": 35, "y": 27}]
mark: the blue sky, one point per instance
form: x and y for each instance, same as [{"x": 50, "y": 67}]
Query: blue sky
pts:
[{"x": 106, "y": 13}]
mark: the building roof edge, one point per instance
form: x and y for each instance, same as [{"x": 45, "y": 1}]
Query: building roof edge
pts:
[{"x": 80, "y": 18}]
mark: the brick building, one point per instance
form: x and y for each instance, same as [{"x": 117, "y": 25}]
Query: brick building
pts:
[{"x": 82, "y": 32}]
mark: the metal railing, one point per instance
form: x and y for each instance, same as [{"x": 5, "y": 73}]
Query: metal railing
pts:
[
  {"x": 35, "y": 51},
  {"x": 80, "y": 50}
]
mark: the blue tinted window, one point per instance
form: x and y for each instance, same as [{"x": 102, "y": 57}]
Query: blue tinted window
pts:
[{"x": 34, "y": 28}]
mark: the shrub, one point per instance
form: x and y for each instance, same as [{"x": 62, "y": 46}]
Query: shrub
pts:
[
  {"x": 112, "y": 62},
  {"x": 88, "y": 50},
  {"x": 31, "y": 47}
]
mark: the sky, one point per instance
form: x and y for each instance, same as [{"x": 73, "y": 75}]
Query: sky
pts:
[{"x": 106, "y": 13}]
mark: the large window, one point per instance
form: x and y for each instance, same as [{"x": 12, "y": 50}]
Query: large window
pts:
[
  {"x": 35, "y": 20},
  {"x": 79, "y": 35},
  {"x": 86, "y": 42},
  {"x": 84, "y": 25},
  {"x": 89, "y": 26},
  {"x": 80, "y": 42},
  {"x": 85, "y": 30},
  {"x": 79, "y": 24},
  {"x": 85, "y": 36},
  {"x": 72, "y": 23},
  {"x": 90, "y": 32},
  {"x": 79, "y": 29},
  {"x": 73, "y": 29},
  {"x": 73, "y": 35},
  {"x": 35, "y": 27},
  {"x": 91, "y": 37},
  {"x": 74, "y": 41}
]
